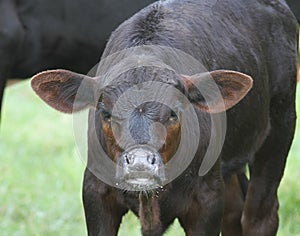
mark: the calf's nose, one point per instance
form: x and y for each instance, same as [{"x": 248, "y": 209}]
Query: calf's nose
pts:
[
  {"x": 141, "y": 159},
  {"x": 140, "y": 166}
]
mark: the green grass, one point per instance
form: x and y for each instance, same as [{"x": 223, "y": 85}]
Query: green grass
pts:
[{"x": 41, "y": 174}]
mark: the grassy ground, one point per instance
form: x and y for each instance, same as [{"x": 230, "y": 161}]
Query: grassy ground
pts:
[{"x": 41, "y": 174}]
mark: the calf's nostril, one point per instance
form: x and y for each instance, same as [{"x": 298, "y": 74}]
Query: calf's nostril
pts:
[
  {"x": 128, "y": 158},
  {"x": 151, "y": 159}
]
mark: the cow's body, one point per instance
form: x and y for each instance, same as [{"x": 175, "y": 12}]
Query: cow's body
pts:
[
  {"x": 39, "y": 34},
  {"x": 257, "y": 38}
]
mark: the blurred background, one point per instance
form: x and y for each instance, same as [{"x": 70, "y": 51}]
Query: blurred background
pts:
[{"x": 41, "y": 173}]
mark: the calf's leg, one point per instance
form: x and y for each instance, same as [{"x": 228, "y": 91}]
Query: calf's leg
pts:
[
  {"x": 103, "y": 211},
  {"x": 260, "y": 216},
  {"x": 234, "y": 203}
]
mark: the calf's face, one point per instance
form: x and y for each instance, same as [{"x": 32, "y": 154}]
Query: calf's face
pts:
[
  {"x": 137, "y": 116},
  {"x": 137, "y": 126},
  {"x": 140, "y": 143}
]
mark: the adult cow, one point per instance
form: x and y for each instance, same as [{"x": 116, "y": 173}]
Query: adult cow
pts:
[
  {"x": 141, "y": 133},
  {"x": 40, "y": 34},
  {"x": 295, "y": 7}
]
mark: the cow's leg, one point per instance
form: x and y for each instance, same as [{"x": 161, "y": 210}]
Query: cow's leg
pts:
[
  {"x": 11, "y": 35},
  {"x": 260, "y": 216},
  {"x": 103, "y": 211},
  {"x": 234, "y": 204}
]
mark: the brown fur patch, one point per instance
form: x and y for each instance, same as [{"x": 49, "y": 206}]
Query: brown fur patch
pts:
[
  {"x": 113, "y": 148},
  {"x": 172, "y": 141}
]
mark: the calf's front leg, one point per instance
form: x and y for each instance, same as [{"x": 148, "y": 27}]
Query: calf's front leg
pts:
[{"x": 103, "y": 211}]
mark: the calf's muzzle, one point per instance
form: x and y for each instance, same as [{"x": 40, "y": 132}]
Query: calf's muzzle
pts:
[{"x": 140, "y": 168}]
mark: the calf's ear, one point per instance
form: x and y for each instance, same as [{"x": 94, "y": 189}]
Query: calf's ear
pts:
[
  {"x": 64, "y": 90},
  {"x": 217, "y": 91}
]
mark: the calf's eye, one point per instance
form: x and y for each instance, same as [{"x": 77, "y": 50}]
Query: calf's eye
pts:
[
  {"x": 173, "y": 116},
  {"x": 106, "y": 116}
]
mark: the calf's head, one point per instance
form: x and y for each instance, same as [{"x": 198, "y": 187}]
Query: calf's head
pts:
[{"x": 137, "y": 117}]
